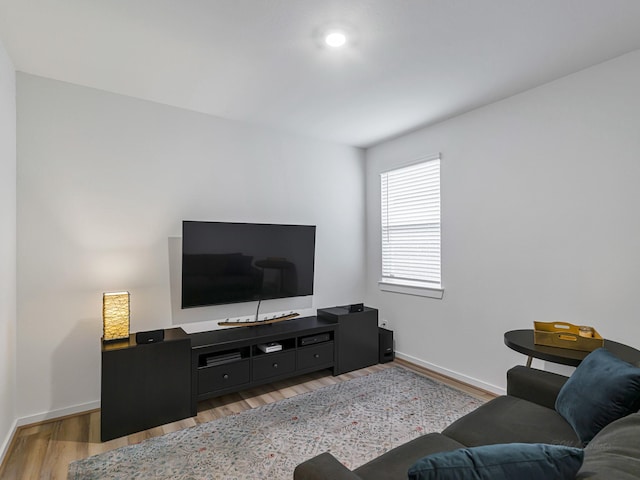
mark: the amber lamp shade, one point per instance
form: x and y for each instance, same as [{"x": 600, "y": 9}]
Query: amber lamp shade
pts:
[{"x": 115, "y": 316}]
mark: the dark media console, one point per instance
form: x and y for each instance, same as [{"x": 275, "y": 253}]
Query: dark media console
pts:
[
  {"x": 144, "y": 386},
  {"x": 224, "y": 361}
]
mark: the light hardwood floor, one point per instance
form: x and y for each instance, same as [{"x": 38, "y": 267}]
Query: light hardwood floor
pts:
[{"x": 44, "y": 450}]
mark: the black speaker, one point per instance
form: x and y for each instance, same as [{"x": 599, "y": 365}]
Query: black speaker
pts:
[
  {"x": 152, "y": 336},
  {"x": 356, "y": 307},
  {"x": 385, "y": 345}
]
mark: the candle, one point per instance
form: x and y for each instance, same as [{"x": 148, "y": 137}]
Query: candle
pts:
[{"x": 585, "y": 332}]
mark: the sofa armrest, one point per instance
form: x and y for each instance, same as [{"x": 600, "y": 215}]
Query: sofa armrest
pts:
[
  {"x": 323, "y": 467},
  {"x": 537, "y": 386}
]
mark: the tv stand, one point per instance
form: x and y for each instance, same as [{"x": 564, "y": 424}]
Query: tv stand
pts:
[
  {"x": 229, "y": 360},
  {"x": 144, "y": 386}
]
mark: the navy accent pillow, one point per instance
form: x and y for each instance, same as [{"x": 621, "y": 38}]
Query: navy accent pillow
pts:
[
  {"x": 602, "y": 389},
  {"x": 521, "y": 461}
]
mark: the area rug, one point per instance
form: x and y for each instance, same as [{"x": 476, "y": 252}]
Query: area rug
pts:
[{"x": 356, "y": 420}]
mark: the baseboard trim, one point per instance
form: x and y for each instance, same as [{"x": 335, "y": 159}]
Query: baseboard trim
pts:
[
  {"x": 7, "y": 442},
  {"x": 57, "y": 414},
  {"x": 474, "y": 382},
  {"x": 85, "y": 407},
  {"x": 41, "y": 418}
]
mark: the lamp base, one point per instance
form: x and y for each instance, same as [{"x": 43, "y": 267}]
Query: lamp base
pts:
[{"x": 116, "y": 340}]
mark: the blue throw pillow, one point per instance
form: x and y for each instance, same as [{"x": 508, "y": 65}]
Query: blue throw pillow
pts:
[
  {"x": 521, "y": 461},
  {"x": 602, "y": 389}
]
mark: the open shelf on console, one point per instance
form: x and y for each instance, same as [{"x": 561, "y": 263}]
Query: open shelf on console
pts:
[
  {"x": 287, "y": 344},
  {"x": 308, "y": 340},
  {"x": 221, "y": 358}
]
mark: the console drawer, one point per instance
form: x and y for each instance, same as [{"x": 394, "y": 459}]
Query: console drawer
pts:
[
  {"x": 315, "y": 355},
  {"x": 273, "y": 364},
  {"x": 224, "y": 376}
]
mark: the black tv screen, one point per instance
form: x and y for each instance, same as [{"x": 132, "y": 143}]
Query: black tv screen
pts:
[{"x": 241, "y": 262}]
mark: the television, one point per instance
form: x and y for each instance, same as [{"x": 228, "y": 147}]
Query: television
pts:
[{"x": 225, "y": 262}]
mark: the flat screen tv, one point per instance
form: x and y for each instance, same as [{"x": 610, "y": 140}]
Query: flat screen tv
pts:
[{"x": 241, "y": 262}]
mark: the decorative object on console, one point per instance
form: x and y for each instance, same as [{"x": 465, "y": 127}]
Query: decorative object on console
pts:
[
  {"x": 115, "y": 316},
  {"x": 251, "y": 323}
]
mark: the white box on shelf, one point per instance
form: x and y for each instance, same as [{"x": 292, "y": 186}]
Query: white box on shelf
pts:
[{"x": 270, "y": 347}]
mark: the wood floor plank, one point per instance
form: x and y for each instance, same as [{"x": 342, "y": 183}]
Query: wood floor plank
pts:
[
  {"x": 30, "y": 452},
  {"x": 44, "y": 450},
  {"x": 68, "y": 442}
]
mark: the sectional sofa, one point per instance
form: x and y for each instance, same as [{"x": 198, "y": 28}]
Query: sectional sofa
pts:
[{"x": 591, "y": 418}]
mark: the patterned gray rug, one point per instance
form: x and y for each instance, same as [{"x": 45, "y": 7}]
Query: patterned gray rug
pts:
[{"x": 356, "y": 421}]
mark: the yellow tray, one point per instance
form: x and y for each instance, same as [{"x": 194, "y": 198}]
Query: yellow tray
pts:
[{"x": 565, "y": 335}]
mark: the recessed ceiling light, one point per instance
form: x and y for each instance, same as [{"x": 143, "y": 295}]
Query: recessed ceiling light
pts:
[{"x": 335, "y": 39}]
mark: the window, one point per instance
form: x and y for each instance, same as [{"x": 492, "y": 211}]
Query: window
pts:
[{"x": 410, "y": 204}]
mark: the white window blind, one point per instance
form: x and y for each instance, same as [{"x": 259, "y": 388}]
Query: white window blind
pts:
[{"x": 411, "y": 224}]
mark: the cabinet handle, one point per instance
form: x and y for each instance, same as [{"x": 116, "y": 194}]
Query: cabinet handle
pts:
[
  {"x": 317, "y": 355},
  {"x": 225, "y": 376},
  {"x": 275, "y": 365}
]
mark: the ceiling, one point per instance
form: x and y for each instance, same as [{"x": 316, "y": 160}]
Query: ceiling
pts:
[{"x": 408, "y": 63}]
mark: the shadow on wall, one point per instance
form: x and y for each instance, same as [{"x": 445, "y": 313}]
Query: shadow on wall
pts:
[{"x": 75, "y": 366}]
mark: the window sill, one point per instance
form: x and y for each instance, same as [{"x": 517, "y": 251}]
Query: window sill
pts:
[{"x": 418, "y": 290}]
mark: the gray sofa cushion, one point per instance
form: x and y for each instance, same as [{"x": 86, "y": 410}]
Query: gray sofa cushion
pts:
[
  {"x": 510, "y": 419},
  {"x": 395, "y": 463},
  {"x": 323, "y": 467},
  {"x": 614, "y": 453}
]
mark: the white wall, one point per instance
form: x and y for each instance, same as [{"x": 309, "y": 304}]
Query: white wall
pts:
[
  {"x": 104, "y": 182},
  {"x": 540, "y": 221},
  {"x": 7, "y": 248}
]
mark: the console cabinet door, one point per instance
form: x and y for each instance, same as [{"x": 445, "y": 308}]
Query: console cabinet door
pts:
[{"x": 144, "y": 386}]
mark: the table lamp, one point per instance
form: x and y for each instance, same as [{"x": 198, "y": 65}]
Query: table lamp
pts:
[{"x": 115, "y": 316}]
